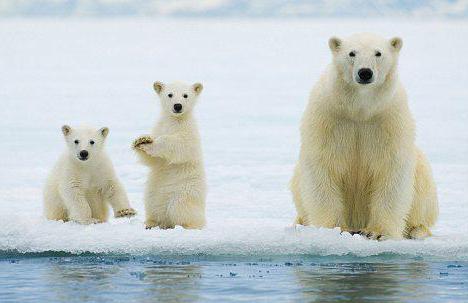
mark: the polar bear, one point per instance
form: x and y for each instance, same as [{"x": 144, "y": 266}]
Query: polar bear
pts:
[
  {"x": 359, "y": 168},
  {"x": 176, "y": 190},
  {"x": 83, "y": 181}
]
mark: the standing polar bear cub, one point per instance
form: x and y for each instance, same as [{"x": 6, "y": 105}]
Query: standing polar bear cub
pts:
[
  {"x": 83, "y": 181},
  {"x": 176, "y": 190},
  {"x": 359, "y": 168}
]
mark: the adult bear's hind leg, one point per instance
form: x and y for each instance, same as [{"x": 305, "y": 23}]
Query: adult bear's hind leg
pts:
[{"x": 425, "y": 207}]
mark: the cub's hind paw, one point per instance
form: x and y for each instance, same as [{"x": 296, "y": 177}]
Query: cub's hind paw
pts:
[
  {"x": 128, "y": 212},
  {"x": 142, "y": 140}
]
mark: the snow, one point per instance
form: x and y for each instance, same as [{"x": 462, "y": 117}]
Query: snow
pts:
[{"x": 257, "y": 75}]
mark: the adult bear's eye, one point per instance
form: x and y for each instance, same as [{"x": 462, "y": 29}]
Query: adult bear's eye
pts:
[
  {"x": 91, "y": 142},
  {"x": 170, "y": 95},
  {"x": 185, "y": 96},
  {"x": 378, "y": 54},
  {"x": 352, "y": 54},
  {"x": 77, "y": 141}
]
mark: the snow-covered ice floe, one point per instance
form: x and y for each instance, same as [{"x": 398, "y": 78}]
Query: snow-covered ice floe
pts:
[
  {"x": 262, "y": 238},
  {"x": 257, "y": 75}
]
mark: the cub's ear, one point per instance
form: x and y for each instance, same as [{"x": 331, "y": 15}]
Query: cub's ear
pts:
[
  {"x": 396, "y": 43},
  {"x": 66, "y": 130},
  {"x": 158, "y": 87},
  {"x": 104, "y": 131},
  {"x": 335, "y": 44},
  {"x": 197, "y": 88}
]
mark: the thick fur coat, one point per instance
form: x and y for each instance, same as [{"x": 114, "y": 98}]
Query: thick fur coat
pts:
[{"x": 359, "y": 168}]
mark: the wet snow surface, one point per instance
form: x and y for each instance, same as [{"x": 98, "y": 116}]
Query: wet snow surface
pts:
[{"x": 257, "y": 76}]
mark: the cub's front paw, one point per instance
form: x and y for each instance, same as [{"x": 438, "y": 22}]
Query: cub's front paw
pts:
[
  {"x": 141, "y": 141},
  {"x": 127, "y": 212}
]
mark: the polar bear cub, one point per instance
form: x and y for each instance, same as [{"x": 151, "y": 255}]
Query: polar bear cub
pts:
[
  {"x": 175, "y": 191},
  {"x": 359, "y": 167},
  {"x": 83, "y": 181}
]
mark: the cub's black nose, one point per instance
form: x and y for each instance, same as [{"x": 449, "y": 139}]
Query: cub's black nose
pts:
[
  {"x": 84, "y": 154},
  {"x": 365, "y": 74},
  {"x": 177, "y": 107}
]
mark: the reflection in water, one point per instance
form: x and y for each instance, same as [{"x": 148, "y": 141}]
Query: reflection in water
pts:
[
  {"x": 145, "y": 281},
  {"x": 172, "y": 283},
  {"x": 152, "y": 279},
  {"x": 360, "y": 282},
  {"x": 72, "y": 281}
]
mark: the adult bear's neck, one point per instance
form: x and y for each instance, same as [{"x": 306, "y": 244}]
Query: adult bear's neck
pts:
[{"x": 361, "y": 103}]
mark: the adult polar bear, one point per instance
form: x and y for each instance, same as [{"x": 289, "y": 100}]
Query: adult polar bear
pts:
[{"x": 359, "y": 168}]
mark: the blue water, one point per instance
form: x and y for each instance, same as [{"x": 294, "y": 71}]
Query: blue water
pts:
[{"x": 110, "y": 278}]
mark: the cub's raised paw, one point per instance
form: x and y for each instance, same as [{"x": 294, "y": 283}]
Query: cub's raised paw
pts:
[
  {"x": 142, "y": 140},
  {"x": 128, "y": 212}
]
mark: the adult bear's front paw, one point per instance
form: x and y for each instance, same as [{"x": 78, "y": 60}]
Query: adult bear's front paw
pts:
[
  {"x": 127, "y": 212},
  {"x": 139, "y": 142}
]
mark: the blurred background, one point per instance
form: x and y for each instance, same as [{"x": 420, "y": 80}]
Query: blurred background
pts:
[{"x": 236, "y": 8}]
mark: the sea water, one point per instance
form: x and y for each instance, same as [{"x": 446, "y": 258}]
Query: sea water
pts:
[{"x": 122, "y": 278}]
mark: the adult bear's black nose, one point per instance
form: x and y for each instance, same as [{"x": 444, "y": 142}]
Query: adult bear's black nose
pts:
[
  {"x": 177, "y": 107},
  {"x": 365, "y": 74},
  {"x": 84, "y": 154}
]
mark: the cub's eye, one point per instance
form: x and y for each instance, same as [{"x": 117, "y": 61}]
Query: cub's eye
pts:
[
  {"x": 91, "y": 142},
  {"x": 378, "y": 54},
  {"x": 185, "y": 96},
  {"x": 170, "y": 95},
  {"x": 352, "y": 54},
  {"x": 77, "y": 141}
]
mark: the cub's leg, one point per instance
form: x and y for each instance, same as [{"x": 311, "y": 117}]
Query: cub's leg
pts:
[
  {"x": 99, "y": 209},
  {"x": 116, "y": 196},
  {"x": 187, "y": 209},
  {"x": 77, "y": 206},
  {"x": 53, "y": 205},
  {"x": 156, "y": 210},
  {"x": 425, "y": 208}
]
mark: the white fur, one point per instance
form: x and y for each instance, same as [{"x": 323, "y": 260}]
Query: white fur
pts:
[
  {"x": 81, "y": 190},
  {"x": 176, "y": 190},
  {"x": 359, "y": 168}
]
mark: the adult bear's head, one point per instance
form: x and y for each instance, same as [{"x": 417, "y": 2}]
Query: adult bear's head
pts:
[{"x": 365, "y": 61}]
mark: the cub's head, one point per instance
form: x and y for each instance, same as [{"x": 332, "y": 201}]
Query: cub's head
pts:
[
  {"x": 84, "y": 143},
  {"x": 177, "y": 99},
  {"x": 365, "y": 60}
]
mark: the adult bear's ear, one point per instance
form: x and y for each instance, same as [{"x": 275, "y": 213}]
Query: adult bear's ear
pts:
[
  {"x": 197, "y": 88},
  {"x": 104, "y": 131},
  {"x": 158, "y": 87},
  {"x": 335, "y": 44},
  {"x": 396, "y": 43},
  {"x": 66, "y": 130}
]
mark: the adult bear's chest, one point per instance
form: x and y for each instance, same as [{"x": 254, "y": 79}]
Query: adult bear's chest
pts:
[{"x": 356, "y": 148}]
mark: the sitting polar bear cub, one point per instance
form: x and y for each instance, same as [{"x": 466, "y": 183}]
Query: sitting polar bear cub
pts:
[
  {"x": 176, "y": 190},
  {"x": 359, "y": 168},
  {"x": 83, "y": 181}
]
